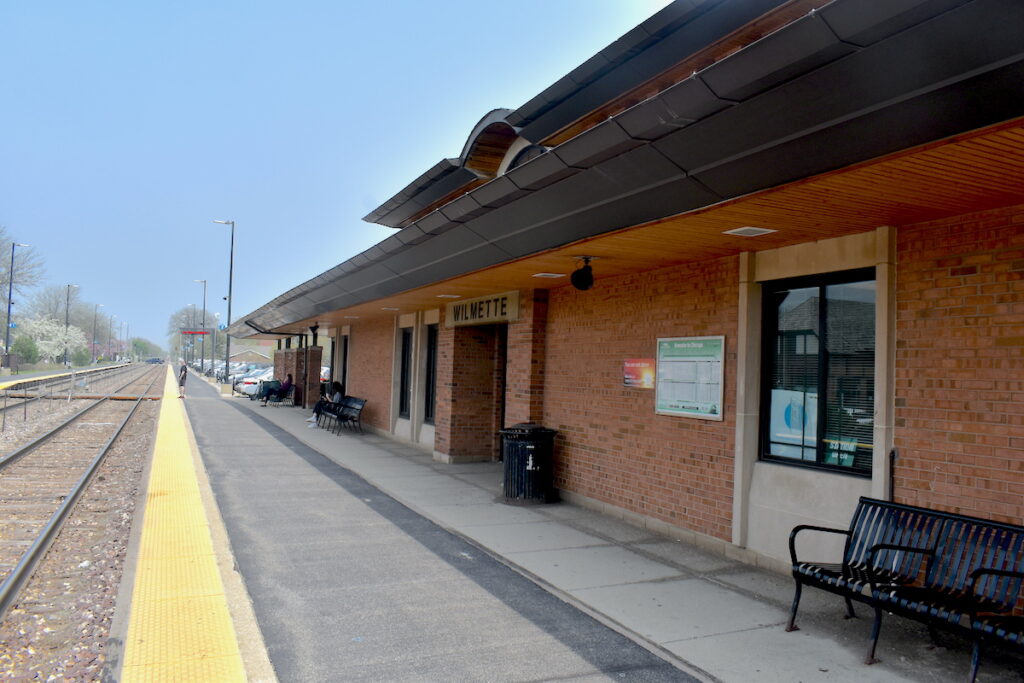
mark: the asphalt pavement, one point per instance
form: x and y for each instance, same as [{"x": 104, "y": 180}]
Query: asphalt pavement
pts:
[{"x": 366, "y": 560}]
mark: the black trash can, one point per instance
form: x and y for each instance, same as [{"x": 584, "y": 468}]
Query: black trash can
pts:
[{"x": 528, "y": 455}]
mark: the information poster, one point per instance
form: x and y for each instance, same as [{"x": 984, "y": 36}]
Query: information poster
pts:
[
  {"x": 690, "y": 377},
  {"x": 638, "y": 373}
]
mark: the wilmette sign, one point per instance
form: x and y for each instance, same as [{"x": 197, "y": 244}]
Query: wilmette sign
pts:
[
  {"x": 196, "y": 330},
  {"x": 496, "y": 308}
]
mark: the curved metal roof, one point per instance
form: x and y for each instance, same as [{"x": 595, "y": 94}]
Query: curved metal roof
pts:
[{"x": 855, "y": 81}]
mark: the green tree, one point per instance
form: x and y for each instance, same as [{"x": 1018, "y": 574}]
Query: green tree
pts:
[
  {"x": 25, "y": 348},
  {"x": 81, "y": 357}
]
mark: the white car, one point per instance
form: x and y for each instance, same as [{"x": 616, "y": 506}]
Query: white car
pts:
[{"x": 250, "y": 383}]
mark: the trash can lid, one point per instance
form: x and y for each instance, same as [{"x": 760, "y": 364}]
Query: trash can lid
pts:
[{"x": 527, "y": 428}]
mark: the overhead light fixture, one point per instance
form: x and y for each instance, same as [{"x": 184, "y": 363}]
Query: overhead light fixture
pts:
[
  {"x": 389, "y": 308},
  {"x": 583, "y": 277},
  {"x": 748, "y": 231},
  {"x": 351, "y": 317},
  {"x": 551, "y": 276},
  {"x": 449, "y": 296}
]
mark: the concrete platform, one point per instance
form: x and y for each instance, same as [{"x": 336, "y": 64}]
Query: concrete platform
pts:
[{"x": 365, "y": 553}]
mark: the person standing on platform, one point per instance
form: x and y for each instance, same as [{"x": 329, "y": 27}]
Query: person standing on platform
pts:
[{"x": 182, "y": 374}]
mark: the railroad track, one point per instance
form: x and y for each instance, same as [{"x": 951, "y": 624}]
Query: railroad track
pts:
[
  {"x": 41, "y": 481},
  {"x": 19, "y": 396}
]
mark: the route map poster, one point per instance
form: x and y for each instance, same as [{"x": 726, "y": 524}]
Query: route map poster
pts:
[{"x": 690, "y": 377}]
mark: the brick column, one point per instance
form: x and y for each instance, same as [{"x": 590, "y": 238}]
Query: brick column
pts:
[
  {"x": 311, "y": 391},
  {"x": 524, "y": 385}
]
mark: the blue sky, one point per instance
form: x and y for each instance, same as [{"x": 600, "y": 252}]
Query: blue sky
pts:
[{"x": 127, "y": 127}]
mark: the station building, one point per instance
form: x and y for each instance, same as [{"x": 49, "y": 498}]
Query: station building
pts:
[{"x": 753, "y": 260}]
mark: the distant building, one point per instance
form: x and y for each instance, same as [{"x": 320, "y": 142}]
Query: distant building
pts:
[{"x": 250, "y": 356}]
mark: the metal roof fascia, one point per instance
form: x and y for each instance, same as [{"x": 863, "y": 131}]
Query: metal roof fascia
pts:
[
  {"x": 718, "y": 21},
  {"x": 869, "y": 82},
  {"x": 865, "y": 24}
]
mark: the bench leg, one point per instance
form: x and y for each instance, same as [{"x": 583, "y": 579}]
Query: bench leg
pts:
[
  {"x": 791, "y": 626},
  {"x": 850, "y": 614},
  {"x": 975, "y": 660},
  {"x": 876, "y": 629}
]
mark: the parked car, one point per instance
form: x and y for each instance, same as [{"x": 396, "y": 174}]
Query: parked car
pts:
[{"x": 251, "y": 384}]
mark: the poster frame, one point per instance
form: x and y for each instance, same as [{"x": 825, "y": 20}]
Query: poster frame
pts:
[{"x": 660, "y": 384}]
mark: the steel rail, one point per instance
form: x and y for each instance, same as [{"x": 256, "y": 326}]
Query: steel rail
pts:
[
  {"x": 17, "y": 454},
  {"x": 47, "y": 382},
  {"x": 23, "y": 570}
]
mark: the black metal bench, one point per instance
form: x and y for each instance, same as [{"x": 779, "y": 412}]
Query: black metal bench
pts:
[
  {"x": 943, "y": 569},
  {"x": 288, "y": 397},
  {"x": 347, "y": 413}
]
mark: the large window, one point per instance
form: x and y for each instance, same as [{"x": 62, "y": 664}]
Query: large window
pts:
[
  {"x": 430, "y": 381},
  {"x": 818, "y": 371}
]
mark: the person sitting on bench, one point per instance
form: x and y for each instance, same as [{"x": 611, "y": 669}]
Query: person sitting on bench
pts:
[
  {"x": 334, "y": 399},
  {"x": 279, "y": 391}
]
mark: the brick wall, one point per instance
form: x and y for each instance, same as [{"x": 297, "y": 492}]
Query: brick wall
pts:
[
  {"x": 468, "y": 414},
  {"x": 611, "y": 446},
  {"x": 371, "y": 355},
  {"x": 524, "y": 390},
  {"x": 960, "y": 364}
]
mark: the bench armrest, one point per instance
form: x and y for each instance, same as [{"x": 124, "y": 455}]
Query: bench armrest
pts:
[
  {"x": 809, "y": 527},
  {"x": 908, "y": 549},
  {"x": 984, "y": 571}
]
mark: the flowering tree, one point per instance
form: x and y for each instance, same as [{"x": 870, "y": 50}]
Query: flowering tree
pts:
[{"x": 51, "y": 338}]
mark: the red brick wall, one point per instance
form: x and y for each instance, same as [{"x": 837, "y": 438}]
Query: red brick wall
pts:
[
  {"x": 468, "y": 412},
  {"x": 960, "y": 364},
  {"x": 524, "y": 391},
  {"x": 611, "y": 446},
  {"x": 371, "y": 354}
]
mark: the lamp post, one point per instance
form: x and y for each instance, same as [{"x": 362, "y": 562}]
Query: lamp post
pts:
[
  {"x": 202, "y": 343},
  {"x": 67, "y": 319},
  {"x": 10, "y": 293},
  {"x": 231, "y": 276},
  {"x": 213, "y": 349},
  {"x": 95, "y": 310},
  {"x": 120, "y": 339},
  {"x": 110, "y": 335},
  {"x": 192, "y": 337}
]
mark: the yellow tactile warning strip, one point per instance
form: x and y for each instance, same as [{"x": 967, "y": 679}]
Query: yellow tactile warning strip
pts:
[{"x": 179, "y": 628}]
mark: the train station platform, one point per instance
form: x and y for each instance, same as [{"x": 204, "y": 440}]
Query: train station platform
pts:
[{"x": 356, "y": 557}]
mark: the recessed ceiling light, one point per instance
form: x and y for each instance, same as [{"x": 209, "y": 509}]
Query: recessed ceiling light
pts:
[
  {"x": 389, "y": 308},
  {"x": 449, "y": 296},
  {"x": 352, "y": 317},
  {"x": 549, "y": 275},
  {"x": 748, "y": 231}
]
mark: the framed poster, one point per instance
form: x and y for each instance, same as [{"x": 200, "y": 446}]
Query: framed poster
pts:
[
  {"x": 690, "y": 379},
  {"x": 638, "y": 373}
]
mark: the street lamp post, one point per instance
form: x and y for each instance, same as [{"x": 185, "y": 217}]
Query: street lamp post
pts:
[
  {"x": 202, "y": 343},
  {"x": 110, "y": 335},
  {"x": 231, "y": 276},
  {"x": 92, "y": 346},
  {"x": 67, "y": 319},
  {"x": 213, "y": 348},
  {"x": 192, "y": 337},
  {"x": 10, "y": 293},
  {"x": 120, "y": 339}
]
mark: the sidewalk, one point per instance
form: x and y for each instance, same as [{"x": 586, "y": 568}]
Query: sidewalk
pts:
[{"x": 713, "y": 617}]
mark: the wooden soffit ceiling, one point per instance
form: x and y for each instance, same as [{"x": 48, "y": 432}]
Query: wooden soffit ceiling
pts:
[{"x": 968, "y": 173}]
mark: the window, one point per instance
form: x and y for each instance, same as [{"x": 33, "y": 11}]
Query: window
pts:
[
  {"x": 430, "y": 383},
  {"x": 818, "y": 378},
  {"x": 405, "y": 379}
]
